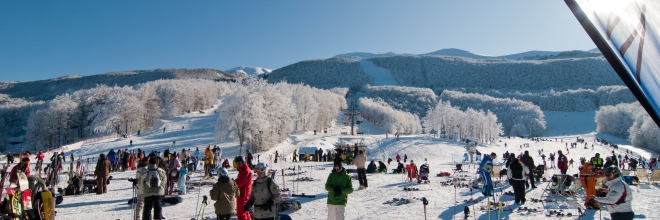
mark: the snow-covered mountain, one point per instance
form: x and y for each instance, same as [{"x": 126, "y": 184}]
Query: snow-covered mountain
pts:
[
  {"x": 529, "y": 55},
  {"x": 250, "y": 71}
]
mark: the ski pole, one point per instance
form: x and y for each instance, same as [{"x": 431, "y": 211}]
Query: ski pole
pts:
[
  {"x": 455, "y": 203},
  {"x": 425, "y": 202}
]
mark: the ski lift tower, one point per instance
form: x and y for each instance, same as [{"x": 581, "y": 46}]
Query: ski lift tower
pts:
[{"x": 352, "y": 111}]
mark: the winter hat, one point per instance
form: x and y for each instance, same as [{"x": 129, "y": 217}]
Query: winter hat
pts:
[
  {"x": 338, "y": 163},
  {"x": 239, "y": 159}
]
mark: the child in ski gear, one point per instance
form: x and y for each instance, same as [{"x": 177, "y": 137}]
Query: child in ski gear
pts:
[
  {"x": 517, "y": 174},
  {"x": 183, "y": 172},
  {"x": 244, "y": 183},
  {"x": 224, "y": 193},
  {"x": 338, "y": 185},
  {"x": 485, "y": 168},
  {"x": 360, "y": 161},
  {"x": 153, "y": 183},
  {"x": 102, "y": 172},
  {"x": 619, "y": 198},
  {"x": 265, "y": 194}
]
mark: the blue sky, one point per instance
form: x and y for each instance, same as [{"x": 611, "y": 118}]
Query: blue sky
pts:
[{"x": 48, "y": 39}]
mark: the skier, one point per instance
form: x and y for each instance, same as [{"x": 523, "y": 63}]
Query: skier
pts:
[
  {"x": 265, "y": 194},
  {"x": 338, "y": 185},
  {"x": 517, "y": 174},
  {"x": 485, "y": 168},
  {"x": 244, "y": 183},
  {"x": 153, "y": 183},
  {"x": 224, "y": 193},
  {"x": 619, "y": 196},
  {"x": 562, "y": 162},
  {"x": 360, "y": 162},
  {"x": 102, "y": 171}
]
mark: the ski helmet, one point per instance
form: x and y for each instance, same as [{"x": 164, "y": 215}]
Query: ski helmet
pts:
[
  {"x": 613, "y": 171},
  {"x": 223, "y": 172},
  {"x": 261, "y": 166}
]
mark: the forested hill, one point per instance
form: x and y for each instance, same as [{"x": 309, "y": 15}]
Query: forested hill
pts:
[
  {"x": 452, "y": 72},
  {"x": 48, "y": 89}
]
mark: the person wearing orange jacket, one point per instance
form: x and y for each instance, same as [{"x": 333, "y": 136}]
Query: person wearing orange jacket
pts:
[
  {"x": 208, "y": 162},
  {"x": 588, "y": 180},
  {"x": 244, "y": 183}
]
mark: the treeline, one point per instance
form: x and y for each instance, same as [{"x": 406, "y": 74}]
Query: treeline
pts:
[
  {"x": 117, "y": 110},
  {"x": 389, "y": 119},
  {"x": 448, "y": 120},
  {"x": 324, "y": 74},
  {"x": 571, "y": 100},
  {"x": 518, "y": 118},
  {"x": 260, "y": 115},
  {"x": 14, "y": 113},
  {"x": 409, "y": 99},
  {"x": 631, "y": 121}
]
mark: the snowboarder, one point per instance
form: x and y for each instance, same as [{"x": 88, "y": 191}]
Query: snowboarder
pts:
[
  {"x": 338, "y": 185},
  {"x": 265, "y": 194},
  {"x": 224, "y": 193},
  {"x": 485, "y": 168},
  {"x": 619, "y": 196},
  {"x": 244, "y": 183}
]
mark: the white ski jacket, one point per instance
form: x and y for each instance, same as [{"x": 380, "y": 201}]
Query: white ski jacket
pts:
[{"x": 619, "y": 192}]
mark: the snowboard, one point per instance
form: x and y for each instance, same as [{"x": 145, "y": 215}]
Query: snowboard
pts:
[
  {"x": 16, "y": 207},
  {"x": 23, "y": 183},
  {"x": 49, "y": 205}
]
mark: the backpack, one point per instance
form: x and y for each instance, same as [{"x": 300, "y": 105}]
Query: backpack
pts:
[{"x": 152, "y": 177}]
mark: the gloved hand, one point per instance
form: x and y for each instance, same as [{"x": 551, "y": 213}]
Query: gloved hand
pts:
[
  {"x": 337, "y": 190},
  {"x": 248, "y": 205}
]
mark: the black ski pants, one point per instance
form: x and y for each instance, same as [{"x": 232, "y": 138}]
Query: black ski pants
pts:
[
  {"x": 155, "y": 203},
  {"x": 224, "y": 217},
  {"x": 530, "y": 176},
  {"x": 362, "y": 177},
  {"x": 518, "y": 190},
  {"x": 622, "y": 215}
]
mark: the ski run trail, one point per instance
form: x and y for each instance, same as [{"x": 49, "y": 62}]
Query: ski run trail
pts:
[{"x": 195, "y": 130}]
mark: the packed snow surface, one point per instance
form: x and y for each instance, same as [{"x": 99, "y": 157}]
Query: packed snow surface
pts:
[{"x": 195, "y": 130}]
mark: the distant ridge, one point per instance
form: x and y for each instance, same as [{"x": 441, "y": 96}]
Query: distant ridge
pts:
[{"x": 529, "y": 55}]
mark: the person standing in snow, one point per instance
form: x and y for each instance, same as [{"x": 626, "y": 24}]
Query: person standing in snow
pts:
[
  {"x": 360, "y": 161},
  {"x": 619, "y": 196},
  {"x": 153, "y": 183},
  {"x": 528, "y": 161},
  {"x": 181, "y": 184},
  {"x": 562, "y": 162},
  {"x": 338, "y": 185},
  {"x": 244, "y": 183},
  {"x": 398, "y": 158},
  {"x": 485, "y": 168},
  {"x": 517, "y": 174},
  {"x": 265, "y": 194},
  {"x": 224, "y": 193},
  {"x": 102, "y": 172}
]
